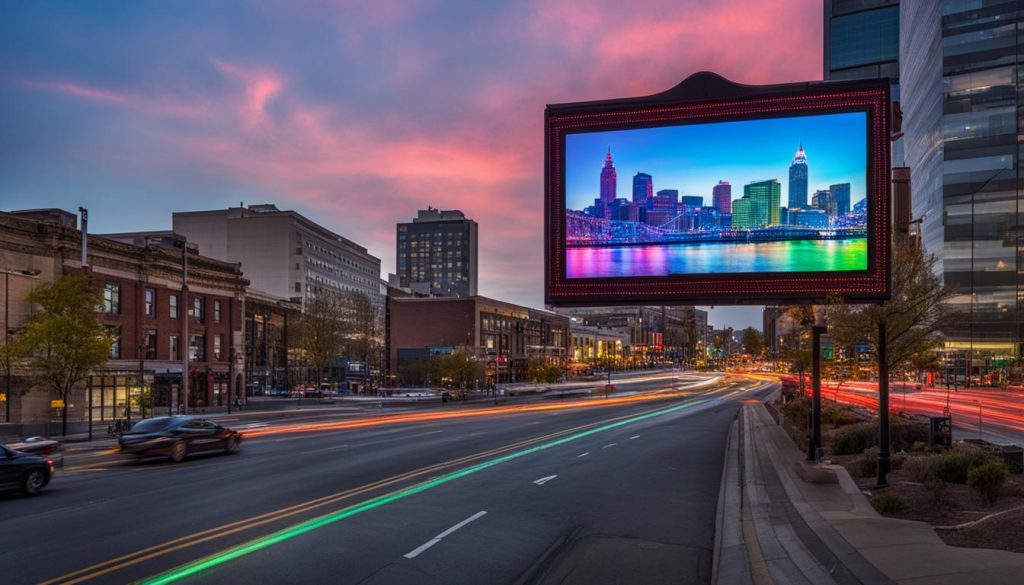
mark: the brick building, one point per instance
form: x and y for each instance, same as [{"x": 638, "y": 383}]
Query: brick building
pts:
[
  {"x": 502, "y": 335},
  {"x": 143, "y": 307}
]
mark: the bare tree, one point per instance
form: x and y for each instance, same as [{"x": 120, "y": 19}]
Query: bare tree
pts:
[
  {"x": 323, "y": 330},
  {"x": 914, "y": 316},
  {"x": 363, "y": 335}
]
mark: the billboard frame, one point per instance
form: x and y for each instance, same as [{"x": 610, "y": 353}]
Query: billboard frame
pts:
[{"x": 709, "y": 98}]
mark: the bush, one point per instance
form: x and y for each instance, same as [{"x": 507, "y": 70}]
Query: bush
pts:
[
  {"x": 890, "y": 504},
  {"x": 951, "y": 466},
  {"x": 854, "y": 439},
  {"x": 988, "y": 479},
  {"x": 839, "y": 415},
  {"x": 867, "y": 464},
  {"x": 904, "y": 433},
  {"x": 796, "y": 411}
]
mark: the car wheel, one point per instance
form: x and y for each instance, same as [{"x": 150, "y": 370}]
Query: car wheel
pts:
[
  {"x": 178, "y": 452},
  {"x": 231, "y": 445},
  {"x": 34, "y": 481}
]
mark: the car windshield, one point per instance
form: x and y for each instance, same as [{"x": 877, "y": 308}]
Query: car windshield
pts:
[{"x": 152, "y": 425}]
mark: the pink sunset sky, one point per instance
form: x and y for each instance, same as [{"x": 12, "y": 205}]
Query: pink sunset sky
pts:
[{"x": 355, "y": 113}]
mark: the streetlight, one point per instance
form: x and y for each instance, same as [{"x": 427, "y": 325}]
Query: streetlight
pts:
[
  {"x": 27, "y": 273},
  {"x": 183, "y": 312}
]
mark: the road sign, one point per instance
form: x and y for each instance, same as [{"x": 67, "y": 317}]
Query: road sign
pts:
[
  {"x": 57, "y": 403},
  {"x": 863, "y": 352},
  {"x": 828, "y": 352}
]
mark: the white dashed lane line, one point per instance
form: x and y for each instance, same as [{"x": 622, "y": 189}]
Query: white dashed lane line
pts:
[
  {"x": 544, "y": 480},
  {"x": 421, "y": 548}
]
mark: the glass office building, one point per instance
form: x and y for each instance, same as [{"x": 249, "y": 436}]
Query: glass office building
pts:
[{"x": 960, "y": 69}]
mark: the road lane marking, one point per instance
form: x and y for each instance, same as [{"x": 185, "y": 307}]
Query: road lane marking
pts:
[
  {"x": 124, "y": 561},
  {"x": 544, "y": 480},
  {"x": 634, "y": 437},
  {"x": 263, "y": 542},
  {"x": 418, "y": 550},
  {"x": 583, "y": 454},
  {"x": 609, "y": 445}
]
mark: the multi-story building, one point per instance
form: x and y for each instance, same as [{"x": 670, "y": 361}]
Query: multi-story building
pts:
[
  {"x": 721, "y": 197},
  {"x": 144, "y": 310},
  {"x": 590, "y": 344},
  {"x": 502, "y": 336},
  {"x": 272, "y": 362},
  {"x": 692, "y": 201},
  {"x": 824, "y": 200},
  {"x": 960, "y": 85},
  {"x": 654, "y": 333},
  {"x": 283, "y": 253},
  {"x": 609, "y": 184},
  {"x": 759, "y": 206},
  {"x": 437, "y": 253},
  {"x": 809, "y": 218},
  {"x": 643, "y": 188},
  {"x": 841, "y": 196},
  {"x": 667, "y": 199},
  {"x": 862, "y": 39},
  {"x": 745, "y": 214},
  {"x": 798, "y": 179}
]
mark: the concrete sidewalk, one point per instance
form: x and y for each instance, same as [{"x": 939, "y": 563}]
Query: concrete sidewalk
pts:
[{"x": 805, "y": 523}]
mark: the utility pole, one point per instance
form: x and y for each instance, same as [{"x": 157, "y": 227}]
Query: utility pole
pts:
[
  {"x": 815, "y": 442},
  {"x": 186, "y": 345}
]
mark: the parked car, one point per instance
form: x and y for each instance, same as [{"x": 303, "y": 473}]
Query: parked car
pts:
[
  {"x": 177, "y": 437},
  {"x": 36, "y": 446},
  {"x": 24, "y": 472}
]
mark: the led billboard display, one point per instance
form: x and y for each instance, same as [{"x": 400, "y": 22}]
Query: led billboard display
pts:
[{"x": 775, "y": 194}]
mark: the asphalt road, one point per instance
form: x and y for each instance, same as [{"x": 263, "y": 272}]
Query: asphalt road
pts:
[{"x": 566, "y": 494}]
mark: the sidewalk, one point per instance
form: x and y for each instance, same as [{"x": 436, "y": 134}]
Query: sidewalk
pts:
[{"x": 805, "y": 523}]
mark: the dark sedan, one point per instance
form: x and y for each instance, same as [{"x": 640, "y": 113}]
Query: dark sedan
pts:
[
  {"x": 23, "y": 472},
  {"x": 178, "y": 437}
]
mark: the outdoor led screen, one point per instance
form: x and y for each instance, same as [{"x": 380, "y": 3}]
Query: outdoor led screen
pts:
[{"x": 774, "y": 194}]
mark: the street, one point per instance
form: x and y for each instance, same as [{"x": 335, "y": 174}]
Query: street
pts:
[{"x": 490, "y": 498}]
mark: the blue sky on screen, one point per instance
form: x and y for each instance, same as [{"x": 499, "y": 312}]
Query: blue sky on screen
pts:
[{"x": 693, "y": 158}]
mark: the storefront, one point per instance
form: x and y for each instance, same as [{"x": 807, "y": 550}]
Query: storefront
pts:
[{"x": 120, "y": 394}]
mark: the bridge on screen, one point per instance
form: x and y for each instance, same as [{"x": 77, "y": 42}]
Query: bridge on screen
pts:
[{"x": 583, "y": 230}]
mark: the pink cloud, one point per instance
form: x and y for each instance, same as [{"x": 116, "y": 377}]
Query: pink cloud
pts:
[
  {"x": 76, "y": 90},
  {"x": 259, "y": 86}
]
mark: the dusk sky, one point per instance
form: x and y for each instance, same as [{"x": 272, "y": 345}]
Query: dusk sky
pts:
[
  {"x": 355, "y": 113},
  {"x": 693, "y": 158}
]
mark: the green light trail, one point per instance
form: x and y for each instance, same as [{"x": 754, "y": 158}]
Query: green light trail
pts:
[{"x": 309, "y": 525}]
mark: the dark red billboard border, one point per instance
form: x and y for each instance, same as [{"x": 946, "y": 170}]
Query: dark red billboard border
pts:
[{"x": 871, "y": 285}]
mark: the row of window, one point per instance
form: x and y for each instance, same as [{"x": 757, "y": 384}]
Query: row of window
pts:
[
  {"x": 112, "y": 304},
  {"x": 197, "y": 349},
  {"x": 339, "y": 257}
]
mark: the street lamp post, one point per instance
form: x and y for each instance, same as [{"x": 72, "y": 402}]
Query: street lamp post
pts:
[{"x": 186, "y": 346}]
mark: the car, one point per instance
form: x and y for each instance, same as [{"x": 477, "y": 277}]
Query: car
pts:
[
  {"x": 35, "y": 446},
  {"x": 177, "y": 437},
  {"x": 24, "y": 472}
]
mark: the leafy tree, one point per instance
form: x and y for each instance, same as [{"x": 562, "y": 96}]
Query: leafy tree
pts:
[
  {"x": 752, "y": 341},
  {"x": 323, "y": 330},
  {"x": 65, "y": 338},
  {"x": 915, "y": 314},
  {"x": 543, "y": 372},
  {"x": 459, "y": 369}
]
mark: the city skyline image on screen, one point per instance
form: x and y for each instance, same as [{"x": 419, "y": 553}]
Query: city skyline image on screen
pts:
[{"x": 770, "y": 195}]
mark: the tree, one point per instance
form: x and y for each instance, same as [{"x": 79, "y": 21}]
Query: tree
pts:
[
  {"x": 543, "y": 372},
  {"x": 458, "y": 369},
  {"x": 914, "y": 316},
  {"x": 752, "y": 341},
  {"x": 322, "y": 330},
  {"x": 361, "y": 325},
  {"x": 65, "y": 339}
]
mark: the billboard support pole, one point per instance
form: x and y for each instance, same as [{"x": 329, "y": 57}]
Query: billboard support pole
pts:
[
  {"x": 815, "y": 440},
  {"x": 883, "y": 407}
]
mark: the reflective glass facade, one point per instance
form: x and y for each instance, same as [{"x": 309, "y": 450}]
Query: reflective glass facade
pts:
[
  {"x": 864, "y": 38},
  {"x": 960, "y": 76}
]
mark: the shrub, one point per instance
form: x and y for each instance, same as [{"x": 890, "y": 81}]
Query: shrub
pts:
[
  {"x": 988, "y": 479},
  {"x": 796, "y": 411},
  {"x": 904, "y": 433},
  {"x": 953, "y": 465},
  {"x": 867, "y": 464},
  {"x": 854, "y": 439},
  {"x": 940, "y": 492},
  {"x": 890, "y": 504},
  {"x": 839, "y": 415}
]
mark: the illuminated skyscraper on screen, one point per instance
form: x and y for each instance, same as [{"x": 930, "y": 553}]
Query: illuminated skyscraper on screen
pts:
[
  {"x": 608, "y": 180},
  {"x": 721, "y": 197},
  {"x": 798, "y": 179}
]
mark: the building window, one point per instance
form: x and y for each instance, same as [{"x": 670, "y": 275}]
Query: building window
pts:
[
  {"x": 174, "y": 306},
  {"x": 150, "y": 302},
  {"x": 112, "y": 298},
  {"x": 197, "y": 308},
  {"x": 172, "y": 348},
  {"x": 197, "y": 349},
  {"x": 151, "y": 344},
  {"x": 216, "y": 311},
  {"x": 114, "y": 334},
  {"x": 217, "y": 344}
]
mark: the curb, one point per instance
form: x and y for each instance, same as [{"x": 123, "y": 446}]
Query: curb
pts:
[{"x": 730, "y": 546}]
